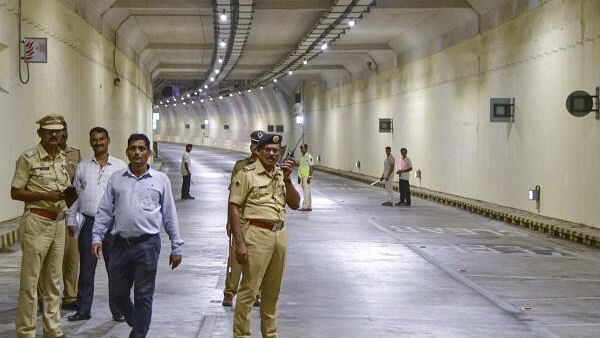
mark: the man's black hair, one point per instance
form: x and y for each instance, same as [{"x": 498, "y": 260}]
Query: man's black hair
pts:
[
  {"x": 99, "y": 130},
  {"x": 137, "y": 137}
]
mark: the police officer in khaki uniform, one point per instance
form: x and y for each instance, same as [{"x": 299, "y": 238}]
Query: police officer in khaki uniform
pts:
[
  {"x": 259, "y": 194},
  {"x": 41, "y": 180},
  {"x": 234, "y": 271},
  {"x": 71, "y": 258}
]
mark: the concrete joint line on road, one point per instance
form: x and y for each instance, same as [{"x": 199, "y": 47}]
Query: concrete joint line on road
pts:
[{"x": 490, "y": 296}]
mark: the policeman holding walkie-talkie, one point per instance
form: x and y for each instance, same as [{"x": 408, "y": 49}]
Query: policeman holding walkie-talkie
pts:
[{"x": 259, "y": 195}]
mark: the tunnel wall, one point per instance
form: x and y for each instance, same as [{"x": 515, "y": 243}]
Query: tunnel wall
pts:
[
  {"x": 242, "y": 113},
  {"x": 77, "y": 82},
  {"x": 440, "y": 107}
]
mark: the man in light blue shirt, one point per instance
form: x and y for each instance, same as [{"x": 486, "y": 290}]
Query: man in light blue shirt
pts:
[
  {"x": 137, "y": 201},
  {"x": 90, "y": 181}
]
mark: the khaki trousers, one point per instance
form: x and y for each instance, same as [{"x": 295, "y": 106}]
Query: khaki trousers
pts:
[
  {"x": 70, "y": 269},
  {"x": 267, "y": 252},
  {"x": 306, "y": 199},
  {"x": 42, "y": 245},
  {"x": 232, "y": 279}
]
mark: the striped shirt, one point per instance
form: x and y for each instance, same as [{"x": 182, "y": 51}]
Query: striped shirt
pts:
[{"x": 90, "y": 182}]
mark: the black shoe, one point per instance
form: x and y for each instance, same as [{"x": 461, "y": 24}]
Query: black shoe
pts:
[
  {"x": 188, "y": 198},
  {"x": 79, "y": 316},
  {"x": 118, "y": 318},
  {"x": 387, "y": 204},
  {"x": 69, "y": 306},
  {"x": 398, "y": 204}
]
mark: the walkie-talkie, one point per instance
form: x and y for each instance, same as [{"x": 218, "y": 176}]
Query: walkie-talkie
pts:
[{"x": 290, "y": 154}]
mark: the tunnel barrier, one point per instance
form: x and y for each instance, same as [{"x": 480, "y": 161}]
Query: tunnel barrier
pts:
[{"x": 578, "y": 233}]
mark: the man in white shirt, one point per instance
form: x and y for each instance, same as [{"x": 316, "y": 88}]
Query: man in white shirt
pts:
[
  {"x": 388, "y": 176},
  {"x": 186, "y": 163},
  {"x": 404, "y": 172},
  {"x": 90, "y": 181}
]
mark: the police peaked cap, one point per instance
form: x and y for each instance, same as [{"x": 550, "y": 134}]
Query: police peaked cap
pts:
[{"x": 269, "y": 139}]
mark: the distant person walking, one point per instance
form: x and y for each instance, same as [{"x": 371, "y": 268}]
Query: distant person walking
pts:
[
  {"x": 137, "y": 201},
  {"x": 404, "y": 172},
  {"x": 305, "y": 172},
  {"x": 388, "y": 176},
  {"x": 186, "y": 172}
]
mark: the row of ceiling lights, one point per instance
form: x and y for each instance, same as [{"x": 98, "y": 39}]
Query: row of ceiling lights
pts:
[{"x": 223, "y": 17}]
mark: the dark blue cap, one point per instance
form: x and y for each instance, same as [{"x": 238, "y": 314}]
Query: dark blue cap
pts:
[{"x": 269, "y": 139}]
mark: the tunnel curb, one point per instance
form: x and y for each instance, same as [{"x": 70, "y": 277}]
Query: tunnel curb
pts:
[{"x": 578, "y": 233}]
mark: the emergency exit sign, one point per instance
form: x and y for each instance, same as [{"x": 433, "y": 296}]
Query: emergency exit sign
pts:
[{"x": 35, "y": 50}]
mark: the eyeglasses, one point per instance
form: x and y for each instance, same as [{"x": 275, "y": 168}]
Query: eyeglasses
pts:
[
  {"x": 271, "y": 151},
  {"x": 50, "y": 131}
]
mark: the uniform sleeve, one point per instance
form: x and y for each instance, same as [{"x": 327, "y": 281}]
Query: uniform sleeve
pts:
[
  {"x": 22, "y": 170},
  {"x": 236, "y": 168},
  {"x": 239, "y": 188}
]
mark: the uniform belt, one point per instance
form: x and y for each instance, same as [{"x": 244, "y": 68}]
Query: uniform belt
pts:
[
  {"x": 44, "y": 213},
  {"x": 266, "y": 225},
  {"x": 133, "y": 240}
]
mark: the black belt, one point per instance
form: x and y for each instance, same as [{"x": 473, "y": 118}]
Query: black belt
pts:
[
  {"x": 133, "y": 240},
  {"x": 84, "y": 215}
]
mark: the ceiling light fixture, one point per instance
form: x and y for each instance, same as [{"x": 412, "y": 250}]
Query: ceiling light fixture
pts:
[
  {"x": 261, "y": 87},
  {"x": 205, "y": 86},
  {"x": 161, "y": 102},
  {"x": 193, "y": 102},
  {"x": 211, "y": 98},
  {"x": 168, "y": 101},
  {"x": 223, "y": 44},
  {"x": 220, "y": 59},
  {"x": 217, "y": 71},
  {"x": 184, "y": 103},
  {"x": 290, "y": 72},
  {"x": 212, "y": 79},
  {"x": 275, "y": 80},
  {"x": 223, "y": 17},
  {"x": 305, "y": 62},
  {"x": 249, "y": 90},
  {"x": 324, "y": 46},
  {"x": 188, "y": 95},
  {"x": 351, "y": 23},
  {"x": 201, "y": 100},
  {"x": 220, "y": 97}
]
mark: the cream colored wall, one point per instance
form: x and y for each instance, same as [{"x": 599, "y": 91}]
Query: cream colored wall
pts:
[
  {"x": 244, "y": 114},
  {"x": 77, "y": 82},
  {"x": 440, "y": 107}
]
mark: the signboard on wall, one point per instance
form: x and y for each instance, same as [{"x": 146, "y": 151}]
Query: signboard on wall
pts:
[
  {"x": 386, "y": 125},
  {"x": 35, "y": 50}
]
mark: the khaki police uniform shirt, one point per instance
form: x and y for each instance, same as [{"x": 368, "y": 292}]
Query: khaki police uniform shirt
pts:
[
  {"x": 36, "y": 171},
  {"x": 260, "y": 195},
  {"x": 73, "y": 158}
]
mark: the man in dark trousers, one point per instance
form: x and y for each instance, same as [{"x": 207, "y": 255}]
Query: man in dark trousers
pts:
[
  {"x": 186, "y": 173},
  {"x": 137, "y": 201},
  {"x": 90, "y": 181}
]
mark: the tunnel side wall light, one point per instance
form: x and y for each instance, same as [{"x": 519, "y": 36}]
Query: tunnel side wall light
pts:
[{"x": 534, "y": 194}]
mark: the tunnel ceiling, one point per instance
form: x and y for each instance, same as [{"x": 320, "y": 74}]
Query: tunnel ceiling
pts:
[{"x": 177, "y": 41}]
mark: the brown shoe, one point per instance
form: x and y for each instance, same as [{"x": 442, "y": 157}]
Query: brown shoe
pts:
[
  {"x": 257, "y": 301},
  {"x": 227, "y": 300}
]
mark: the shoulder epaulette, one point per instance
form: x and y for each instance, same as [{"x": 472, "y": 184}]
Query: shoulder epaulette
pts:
[
  {"x": 250, "y": 167},
  {"x": 30, "y": 152}
]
